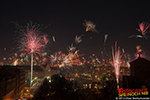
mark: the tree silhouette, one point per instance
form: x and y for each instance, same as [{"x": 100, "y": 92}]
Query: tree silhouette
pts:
[
  {"x": 43, "y": 91},
  {"x": 60, "y": 85},
  {"x": 110, "y": 89}
]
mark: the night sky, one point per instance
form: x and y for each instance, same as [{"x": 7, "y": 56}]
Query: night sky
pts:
[{"x": 119, "y": 19}]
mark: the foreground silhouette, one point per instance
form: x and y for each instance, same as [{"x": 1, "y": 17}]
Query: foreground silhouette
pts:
[{"x": 62, "y": 89}]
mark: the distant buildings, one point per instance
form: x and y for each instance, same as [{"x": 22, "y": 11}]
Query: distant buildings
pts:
[
  {"x": 106, "y": 71},
  {"x": 12, "y": 82},
  {"x": 48, "y": 70}
]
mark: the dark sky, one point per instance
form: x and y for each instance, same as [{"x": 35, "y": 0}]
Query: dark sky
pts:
[{"x": 118, "y": 18}]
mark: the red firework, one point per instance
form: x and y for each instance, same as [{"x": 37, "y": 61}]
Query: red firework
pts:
[
  {"x": 32, "y": 42},
  {"x": 143, "y": 27}
]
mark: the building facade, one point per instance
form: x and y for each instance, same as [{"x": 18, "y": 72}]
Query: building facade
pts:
[
  {"x": 139, "y": 74},
  {"x": 12, "y": 82}
]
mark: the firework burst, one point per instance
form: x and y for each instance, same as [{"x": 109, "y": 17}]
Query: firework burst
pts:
[
  {"x": 90, "y": 26},
  {"x": 116, "y": 62},
  {"x": 31, "y": 41},
  {"x": 143, "y": 27},
  {"x": 139, "y": 53}
]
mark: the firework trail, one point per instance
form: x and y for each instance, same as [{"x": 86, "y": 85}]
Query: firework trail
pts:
[
  {"x": 78, "y": 39},
  {"x": 45, "y": 39},
  {"x": 106, "y": 35},
  {"x": 116, "y": 62},
  {"x": 90, "y": 26},
  {"x": 31, "y": 41},
  {"x": 54, "y": 39},
  {"x": 53, "y": 57},
  {"x": 139, "y": 53},
  {"x": 15, "y": 62},
  {"x": 142, "y": 29},
  {"x": 105, "y": 51}
]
